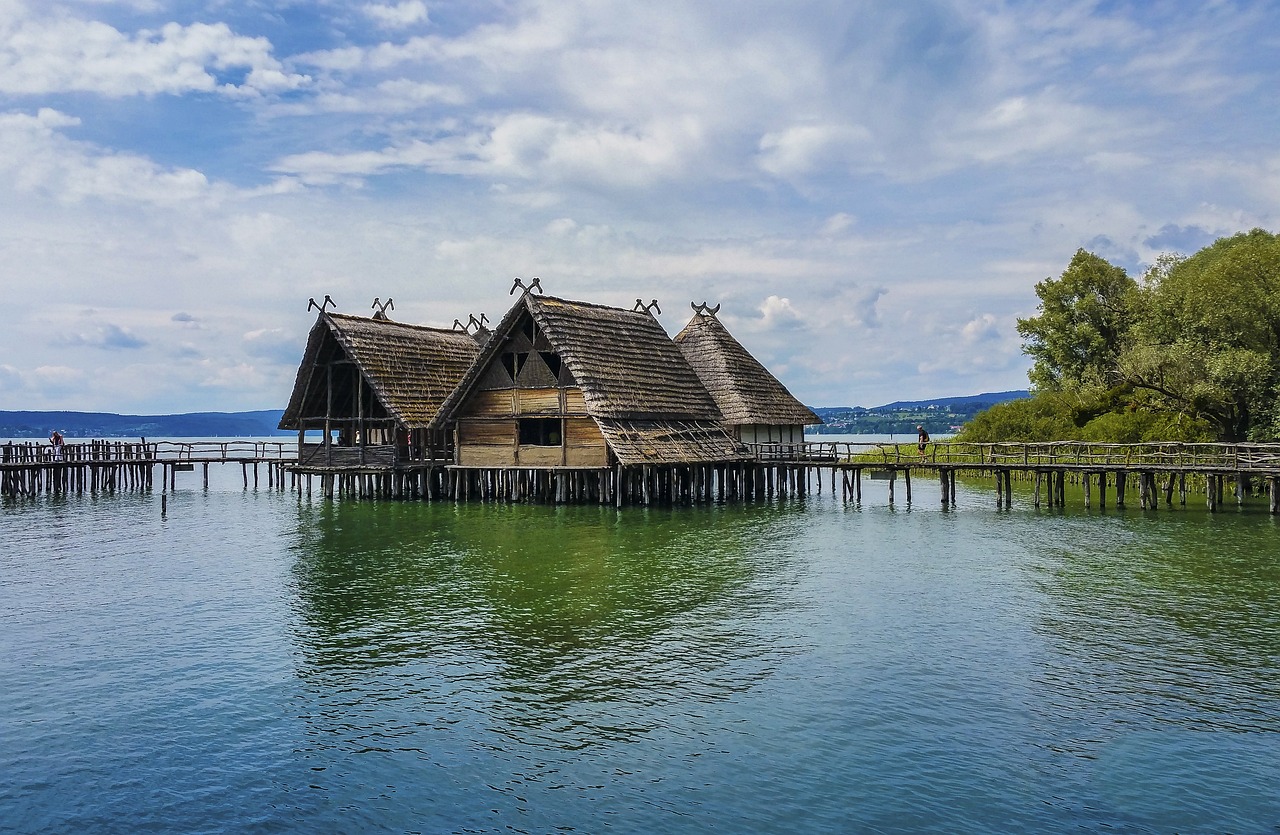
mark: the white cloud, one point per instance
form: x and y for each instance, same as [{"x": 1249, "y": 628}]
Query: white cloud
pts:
[
  {"x": 10, "y": 378},
  {"x": 106, "y": 335},
  {"x": 837, "y": 224},
  {"x": 801, "y": 150},
  {"x": 778, "y": 313},
  {"x": 59, "y": 54},
  {"x": 396, "y": 16},
  {"x": 35, "y": 156}
]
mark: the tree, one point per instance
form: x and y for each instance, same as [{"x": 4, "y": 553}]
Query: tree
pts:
[
  {"x": 1084, "y": 317},
  {"x": 1206, "y": 337}
]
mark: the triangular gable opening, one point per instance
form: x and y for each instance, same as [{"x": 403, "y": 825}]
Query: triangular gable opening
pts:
[
  {"x": 535, "y": 373},
  {"x": 496, "y": 377}
]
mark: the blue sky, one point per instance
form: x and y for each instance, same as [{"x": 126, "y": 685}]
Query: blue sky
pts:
[{"x": 870, "y": 190}]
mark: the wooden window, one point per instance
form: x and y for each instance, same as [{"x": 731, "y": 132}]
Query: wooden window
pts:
[{"x": 541, "y": 431}]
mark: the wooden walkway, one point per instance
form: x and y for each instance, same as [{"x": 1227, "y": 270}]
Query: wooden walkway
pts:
[
  {"x": 1157, "y": 471},
  {"x": 32, "y": 468},
  {"x": 1153, "y": 474}
]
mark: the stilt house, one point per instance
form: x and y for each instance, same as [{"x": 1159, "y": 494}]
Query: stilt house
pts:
[
  {"x": 376, "y": 385},
  {"x": 756, "y": 408},
  {"x": 567, "y": 384}
]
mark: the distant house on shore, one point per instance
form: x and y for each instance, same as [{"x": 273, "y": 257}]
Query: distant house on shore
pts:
[
  {"x": 569, "y": 384},
  {"x": 756, "y": 407},
  {"x": 378, "y": 385}
]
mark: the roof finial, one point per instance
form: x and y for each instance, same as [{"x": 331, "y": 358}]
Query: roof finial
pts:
[
  {"x": 535, "y": 284},
  {"x": 705, "y": 309},
  {"x": 311, "y": 303},
  {"x": 641, "y": 307},
  {"x": 382, "y": 307},
  {"x": 478, "y": 324}
]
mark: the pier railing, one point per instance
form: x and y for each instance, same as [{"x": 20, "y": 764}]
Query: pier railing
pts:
[
  {"x": 1075, "y": 455},
  {"x": 159, "y": 452}
]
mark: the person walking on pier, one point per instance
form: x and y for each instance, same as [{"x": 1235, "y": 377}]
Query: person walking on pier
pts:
[
  {"x": 922, "y": 439},
  {"x": 55, "y": 438}
]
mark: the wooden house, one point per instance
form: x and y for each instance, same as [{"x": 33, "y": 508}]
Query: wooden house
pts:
[
  {"x": 756, "y": 407},
  {"x": 372, "y": 387},
  {"x": 570, "y": 385}
]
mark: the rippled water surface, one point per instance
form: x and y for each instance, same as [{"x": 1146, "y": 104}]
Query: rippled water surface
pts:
[{"x": 257, "y": 662}]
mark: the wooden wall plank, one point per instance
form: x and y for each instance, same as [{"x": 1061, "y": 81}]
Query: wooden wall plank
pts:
[
  {"x": 541, "y": 456},
  {"x": 537, "y": 401},
  {"x": 582, "y": 432},
  {"x": 475, "y": 455},
  {"x": 574, "y": 404},
  {"x": 490, "y": 404},
  {"x": 487, "y": 432}
]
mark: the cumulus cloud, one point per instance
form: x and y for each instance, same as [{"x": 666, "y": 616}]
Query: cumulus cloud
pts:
[
  {"x": 38, "y": 157},
  {"x": 42, "y": 54},
  {"x": 274, "y": 344},
  {"x": 778, "y": 313},
  {"x": 106, "y": 335},
  {"x": 10, "y": 378},
  {"x": 523, "y": 146},
  {"x": 802, "y": 150},
  {"x": 982, "y": 328},
  {"x": 1184, "y": 239},
  {"x": 396, "y": 16},
  {"x": 838, "y": 223}
]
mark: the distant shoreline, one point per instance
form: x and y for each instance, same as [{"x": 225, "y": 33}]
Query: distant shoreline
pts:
[
  {"x": 38, "y": 424},
  {"x": 941, "y": 415}
]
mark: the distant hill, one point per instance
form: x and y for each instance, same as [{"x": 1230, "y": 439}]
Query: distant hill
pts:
[
  {"x": 106, "y": 425},
  {"x": 939, "y": 416},
  {"x": 983, "y": 400}
]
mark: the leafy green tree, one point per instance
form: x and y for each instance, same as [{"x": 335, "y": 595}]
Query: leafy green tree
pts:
[
  {"x": 1206, "y": 337},
  {"x": 1045, "y": 417},
  {"x": 1085, "y": 315}
]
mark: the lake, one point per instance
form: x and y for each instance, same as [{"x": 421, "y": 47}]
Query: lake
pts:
[{"x": 259, "y": 662}]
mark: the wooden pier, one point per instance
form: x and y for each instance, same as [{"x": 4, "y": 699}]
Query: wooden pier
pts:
[
  {"x": 106, "y": 466},
  {"x": 1148, "y": 475}
]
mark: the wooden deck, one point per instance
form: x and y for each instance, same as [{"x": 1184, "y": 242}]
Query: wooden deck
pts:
[
  {"x": 1154, "y": 473},
  {"x": 31, "y": 468},
  {"x": 1158, "y": 471}
]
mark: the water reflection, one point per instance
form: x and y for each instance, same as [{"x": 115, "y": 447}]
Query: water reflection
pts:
[
  {"x": 567, "y": 627},
  {"x": 1160, "y": 661}
]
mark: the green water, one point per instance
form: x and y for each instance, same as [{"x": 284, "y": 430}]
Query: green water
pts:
[{"x": 252, "y": 661}]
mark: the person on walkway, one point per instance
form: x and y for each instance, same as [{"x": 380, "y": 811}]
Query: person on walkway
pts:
[
  {"x": 55, "y": 438},
  {"x": 922, "y": 438}
]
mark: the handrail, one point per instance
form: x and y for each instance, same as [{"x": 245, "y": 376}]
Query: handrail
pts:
[
  {"x": 1076, "y": 455},
  {"x": 159, "y": 452}
]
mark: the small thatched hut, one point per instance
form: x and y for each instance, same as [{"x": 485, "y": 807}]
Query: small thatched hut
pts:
[
  {"x": 567, "y": 384},
  {"x": 377, "y": 385},
  {"x": 757, "y": 408}
]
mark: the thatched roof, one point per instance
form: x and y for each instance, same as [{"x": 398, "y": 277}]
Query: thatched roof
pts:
[
  {"x": 624, "y": 361},
  {"x": 744, "y": 389},
  {"x": 635, "y": 382},
  {"x": 410, "y": 368}
]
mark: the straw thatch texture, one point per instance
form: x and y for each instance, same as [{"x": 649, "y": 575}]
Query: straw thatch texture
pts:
[
  {"x": 668, "y": 442},
  {"x": 624, "y": 362},
  {"x": 744, "y": 389},
  {"x": 411, "y": 369}
]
